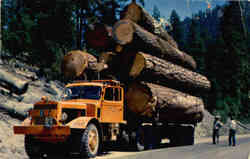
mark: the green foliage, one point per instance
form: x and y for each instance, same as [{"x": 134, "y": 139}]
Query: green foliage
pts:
[
  {"x": 156, "y": 13},
  {"x": 196, "y": 46},
  {"x": 224, "y": 59},
  {"x": 177, "y": 29}
]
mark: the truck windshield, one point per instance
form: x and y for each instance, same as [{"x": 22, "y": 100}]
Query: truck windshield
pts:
[{"x": 81, "y": 92}]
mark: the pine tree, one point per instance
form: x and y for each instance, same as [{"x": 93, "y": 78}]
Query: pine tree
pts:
[
  {"x": 237, "y": 58},
  {"x": 177, "y": 30},
  {"x": 156, "y": 13},
  {"x": 196, "y": 46}
]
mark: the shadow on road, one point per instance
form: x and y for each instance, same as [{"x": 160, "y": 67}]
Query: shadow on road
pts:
[{"x": 108, "y": 148}]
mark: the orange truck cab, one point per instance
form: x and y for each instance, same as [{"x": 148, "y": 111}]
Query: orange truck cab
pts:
[{"x": 87, "y": 114}]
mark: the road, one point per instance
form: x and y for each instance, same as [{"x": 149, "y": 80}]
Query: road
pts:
[{"x": 204, "y": 149}]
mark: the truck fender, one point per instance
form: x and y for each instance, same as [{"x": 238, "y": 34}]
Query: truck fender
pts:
[{"x": 79, "y": 123}]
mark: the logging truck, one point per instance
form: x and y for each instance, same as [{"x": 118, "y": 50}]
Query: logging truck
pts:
[{"x": 91, "y": 113}]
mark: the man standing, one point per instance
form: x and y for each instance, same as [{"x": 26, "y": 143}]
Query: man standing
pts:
[
  {"x": 216, "y": 127},
  {"x": 232, "y": 131}
]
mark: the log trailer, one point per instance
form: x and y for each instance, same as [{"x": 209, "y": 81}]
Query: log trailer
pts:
[{"x": 88, "y": 114}]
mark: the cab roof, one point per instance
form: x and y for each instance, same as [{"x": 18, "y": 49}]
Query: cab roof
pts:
[{"x": 100, "y": 83}]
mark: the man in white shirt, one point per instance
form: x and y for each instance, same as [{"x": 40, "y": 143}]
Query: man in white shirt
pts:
[{"x": 232, "y": 131}]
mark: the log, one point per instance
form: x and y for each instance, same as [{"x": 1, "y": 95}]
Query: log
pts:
[
  {"x": 155, "y": 70},
  {"x": 99, "y": 36},
  {"x": 137, "y": 14},
  {"x": 18, "y": 110},
  {"x": 146, "y": 99},
  {"x": 126, "y": 32},
  {"x": 12, "y": 83},
  {"x": 75, "y": 63},
  {"x": 112, "y": 61}
]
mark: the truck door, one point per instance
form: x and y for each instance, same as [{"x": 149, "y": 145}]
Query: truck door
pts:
[{"x": 112, "y": 106}]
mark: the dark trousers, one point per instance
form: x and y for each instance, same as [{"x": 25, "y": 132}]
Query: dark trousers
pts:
[
  {"x": 232, "y": 139},
  {"x": 216, "y": 136}
]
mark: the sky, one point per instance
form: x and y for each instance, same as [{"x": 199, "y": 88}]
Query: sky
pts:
[{"x": 183, "y": 8}]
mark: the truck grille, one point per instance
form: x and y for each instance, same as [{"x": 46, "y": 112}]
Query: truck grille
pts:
[{"x": 41, "y": 121}]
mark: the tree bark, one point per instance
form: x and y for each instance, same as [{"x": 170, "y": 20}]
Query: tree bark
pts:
[
  {"x": 147, "y": 99},
  {"x": 125, "y": 32},
  {"x": 12, "y": 83},
  {"x": 76, "y": 63},
  {"x": 151, "y": 69},
  {"x": 137, "y": 14}
]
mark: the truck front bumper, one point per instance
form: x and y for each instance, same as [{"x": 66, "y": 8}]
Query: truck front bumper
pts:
[{"x": 40, "y": 130}]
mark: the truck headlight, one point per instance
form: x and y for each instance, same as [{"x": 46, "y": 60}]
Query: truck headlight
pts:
[{"x": 64, "y": 116}]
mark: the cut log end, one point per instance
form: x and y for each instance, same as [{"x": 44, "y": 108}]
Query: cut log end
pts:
[
  {"x": 123, "y": 32},
  {"x": 132, "y": 12},
  {"x": 74, "y": 63},
  {"x": 137, "y": 66},
  {"x": 137, "y": 98}
]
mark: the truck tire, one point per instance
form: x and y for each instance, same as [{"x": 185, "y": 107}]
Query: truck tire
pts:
[
  {"x": 123, "y": 139},
  {"x": 32, "y": 147},
  {"x": 140, "y": 139},
  {"x": 90, "y": 142}
]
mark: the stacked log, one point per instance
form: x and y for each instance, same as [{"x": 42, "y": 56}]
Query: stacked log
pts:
[
  {"x": 128, "y": 33},
  {"x": 173, "y": 106},
  {"x": 138, "y": 15},
  {"x": 159, "y": 79},
  {"x": 78, "y": 63}
]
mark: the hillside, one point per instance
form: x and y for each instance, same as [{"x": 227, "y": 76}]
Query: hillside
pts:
[{"x": 12, "y": 146}]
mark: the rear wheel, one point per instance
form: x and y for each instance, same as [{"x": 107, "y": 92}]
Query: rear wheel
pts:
[
  {"x": 33, "y": 148},
  {"x": 140, "y": 139},
  {"x": 123, "y": 139},
  {"x": 90, "y": 142}
]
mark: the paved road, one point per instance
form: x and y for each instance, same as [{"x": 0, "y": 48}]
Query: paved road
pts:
[{"x": 203, "y": 149}]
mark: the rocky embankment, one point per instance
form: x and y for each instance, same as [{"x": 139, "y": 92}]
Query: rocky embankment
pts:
[{"x": 14, "y": 105}]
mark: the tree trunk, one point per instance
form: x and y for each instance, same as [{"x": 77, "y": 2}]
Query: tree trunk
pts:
[
  {"x": 147, "y": 99},
  {"x": 76, "y": 63},
  {"x": 151, "y": 69},
  {"x": 137, "y": 14},
  {"x": 125, "y": 32},
  {"x": 12, "y": 83}
]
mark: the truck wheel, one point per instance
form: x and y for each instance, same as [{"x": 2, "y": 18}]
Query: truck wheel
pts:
[
  {"x": 140, "y": 139},
  {"x": 123, "y": 139},
  {"x": 32, "y": 147},
  {"x": 90, "y": 142}
]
